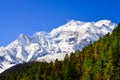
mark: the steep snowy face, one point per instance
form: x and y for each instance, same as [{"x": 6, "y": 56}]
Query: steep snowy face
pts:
[
  {"x": 44, "y": 46},
  {"x": 76, "y": 34}
]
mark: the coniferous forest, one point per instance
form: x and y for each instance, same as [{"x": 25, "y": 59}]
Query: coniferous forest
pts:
[{"x": 97, "y": 61}]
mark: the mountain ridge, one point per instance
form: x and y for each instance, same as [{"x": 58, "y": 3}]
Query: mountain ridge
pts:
[
  {"x": 97, "y": 61},
  {"x": 43, "y": 46}
]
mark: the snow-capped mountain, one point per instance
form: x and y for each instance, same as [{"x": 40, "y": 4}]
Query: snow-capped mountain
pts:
[{"x": 44, "y": 46}]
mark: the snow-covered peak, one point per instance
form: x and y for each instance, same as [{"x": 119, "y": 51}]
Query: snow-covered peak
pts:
[
  {"x": 103, "y": 22},
  {"x": 23, "y": 39},
  {"x": 43, "y": 46},
  {"x": 74, "y": 23}
]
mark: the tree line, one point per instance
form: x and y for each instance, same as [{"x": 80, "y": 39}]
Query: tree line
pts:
[{"x": 97, "y": 61}]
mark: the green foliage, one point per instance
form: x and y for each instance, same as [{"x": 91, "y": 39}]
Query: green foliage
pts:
[{"x": 97, "y": 61}]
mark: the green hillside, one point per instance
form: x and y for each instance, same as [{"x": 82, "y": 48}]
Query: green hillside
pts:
[{"x": 97, "y": 61}]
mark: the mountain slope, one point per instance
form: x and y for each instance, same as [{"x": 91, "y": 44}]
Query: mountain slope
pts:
[
  {"x": 97, "y": 61},
  {"x": 44, "y": 46}
]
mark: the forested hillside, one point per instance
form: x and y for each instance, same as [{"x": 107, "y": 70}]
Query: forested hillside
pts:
[{"x": 97, "y": 61}]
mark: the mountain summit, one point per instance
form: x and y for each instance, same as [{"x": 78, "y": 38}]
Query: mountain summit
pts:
[{"x": 44, "y": 46}]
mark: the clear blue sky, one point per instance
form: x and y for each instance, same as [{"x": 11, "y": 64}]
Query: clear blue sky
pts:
[{"x": 30, "y": 16}]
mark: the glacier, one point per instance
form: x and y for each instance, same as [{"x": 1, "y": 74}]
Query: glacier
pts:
[{"x": 43, "y": 46}]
